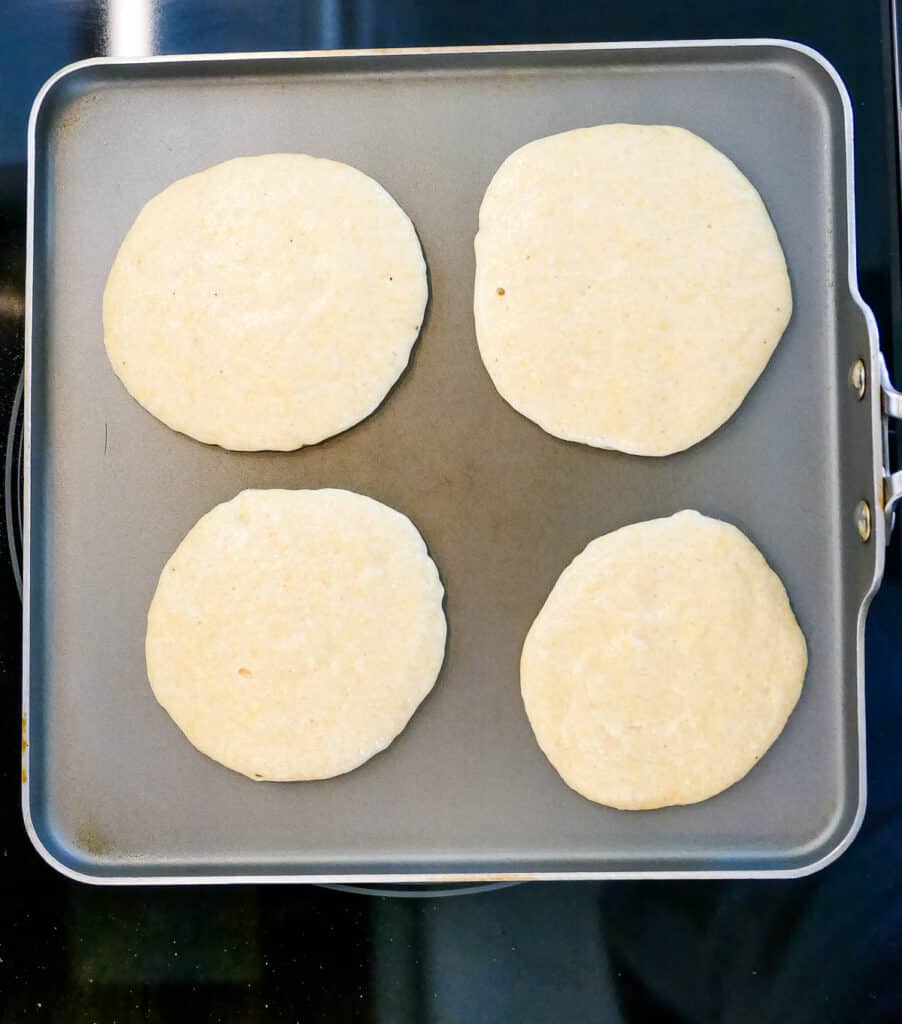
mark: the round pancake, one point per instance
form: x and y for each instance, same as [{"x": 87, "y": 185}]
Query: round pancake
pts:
[
  {"x": 266, "y": 303},
  {"x": 663, "y": 665},
  {"x": 630, "y": 286},
  {"x": 293, "y": 633}
]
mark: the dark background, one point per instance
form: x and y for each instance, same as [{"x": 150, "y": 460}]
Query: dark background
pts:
[{"x": 821, "y": 949}]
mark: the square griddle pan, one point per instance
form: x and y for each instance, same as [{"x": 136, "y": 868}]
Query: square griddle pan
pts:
[{"x": 113, "y": 793}]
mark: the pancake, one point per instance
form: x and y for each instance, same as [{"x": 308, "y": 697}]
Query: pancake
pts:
[
  {"x": 630, "y": 286},
  {"x": 266, "y": 303},
  {"x": 663, "y": 665},
  {"x": 293, "y": 633}
]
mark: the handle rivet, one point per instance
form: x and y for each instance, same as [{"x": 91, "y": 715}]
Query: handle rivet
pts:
[
  {"x": 863, "y": 520},
  {"x": 858, "y": 379}
]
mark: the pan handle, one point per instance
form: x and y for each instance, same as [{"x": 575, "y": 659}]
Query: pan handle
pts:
[{"x": 891, "y": 401}]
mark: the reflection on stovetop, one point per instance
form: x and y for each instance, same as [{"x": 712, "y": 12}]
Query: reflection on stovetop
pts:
[{"x": 825, "y": 948}]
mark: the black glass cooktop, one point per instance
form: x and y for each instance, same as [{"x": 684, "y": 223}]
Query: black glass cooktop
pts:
[{"x": 822, "y": 949}]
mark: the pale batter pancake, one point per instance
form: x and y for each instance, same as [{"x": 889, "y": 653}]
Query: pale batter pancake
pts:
[
  {"x": 663, "y": 665},
  {"x": 630, "y": 286},
  {"x": 266, "y": 303},
  {"x": 293, "y": 633}
]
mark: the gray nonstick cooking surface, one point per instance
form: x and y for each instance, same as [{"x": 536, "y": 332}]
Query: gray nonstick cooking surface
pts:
[{"x": 114, "y": 792}]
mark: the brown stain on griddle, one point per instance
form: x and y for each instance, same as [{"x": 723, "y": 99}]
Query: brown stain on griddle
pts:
[
  {"x": 92, "y": 840},
  {"x": 24, "y": 748},
  {"x": 72, "y": 114}
]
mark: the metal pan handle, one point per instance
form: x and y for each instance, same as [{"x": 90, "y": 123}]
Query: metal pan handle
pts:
[{"x": 891, "y": 402}]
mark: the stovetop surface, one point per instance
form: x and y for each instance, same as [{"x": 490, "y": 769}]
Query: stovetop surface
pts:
[{"x": 822, "y": 949}]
